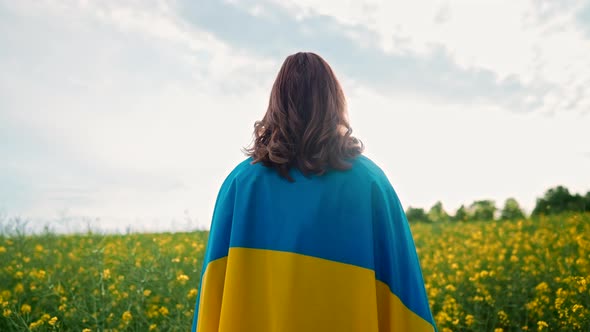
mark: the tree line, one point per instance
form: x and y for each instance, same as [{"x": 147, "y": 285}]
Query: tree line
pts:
[{"x": 554, "y": 201}]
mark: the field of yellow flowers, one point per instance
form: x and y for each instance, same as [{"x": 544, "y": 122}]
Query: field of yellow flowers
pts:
[
  {"x": 526, "y": 275},
  {"x": 137, "y": 282}
]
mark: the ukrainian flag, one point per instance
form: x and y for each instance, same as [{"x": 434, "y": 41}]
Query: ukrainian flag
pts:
[{"x": 323, "y": 253}]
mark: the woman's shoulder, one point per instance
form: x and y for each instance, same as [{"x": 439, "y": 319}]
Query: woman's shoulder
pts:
[
  {"x": 247, "y": 169},
  {"x": 364, "y": 165},
  {"x": 243, "y": 168},
  {"x": 362, "y": 169},
  {"x": 365, "y": 168}
]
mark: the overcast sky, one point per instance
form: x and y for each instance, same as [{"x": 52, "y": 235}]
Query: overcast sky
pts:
[{"x": 135, "y": 111}]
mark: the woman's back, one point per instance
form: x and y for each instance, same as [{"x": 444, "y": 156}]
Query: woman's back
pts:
[
  {"x": 319, "y": 253},
  {"x": 308, "y": 234}
]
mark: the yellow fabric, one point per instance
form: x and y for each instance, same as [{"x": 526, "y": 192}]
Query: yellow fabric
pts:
[
  {"x": 394, "y": 316},
  {"x": 264, "y": 290},
  {"x": 211, "y": 295}
]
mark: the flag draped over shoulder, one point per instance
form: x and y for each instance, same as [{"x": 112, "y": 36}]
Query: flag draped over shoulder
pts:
[{"x": 323, "y": 253}]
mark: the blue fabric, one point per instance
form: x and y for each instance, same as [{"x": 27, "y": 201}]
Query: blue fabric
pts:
[{"x": 352, "y": 216}]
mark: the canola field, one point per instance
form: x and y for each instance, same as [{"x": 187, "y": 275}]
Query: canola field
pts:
[{"x": 525, "y": 275}]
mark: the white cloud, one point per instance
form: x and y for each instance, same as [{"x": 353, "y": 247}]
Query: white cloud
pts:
[{"x": 510, "y": 38}]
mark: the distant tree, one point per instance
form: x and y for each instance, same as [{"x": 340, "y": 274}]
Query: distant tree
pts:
[
  {"x": 483, "y": 210},
  {"x": 577, "y": 204},
  {"x": 511, "y": 210},
  {"x": 461, "y": 214},
  {"x": 437, "y": 213},
  {"x": 587, "y": 202},
  {"x": 559, "y": 199},
  {"x": 416, "y": 215}
]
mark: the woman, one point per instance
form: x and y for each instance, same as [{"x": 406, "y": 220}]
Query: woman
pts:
[{"x": 308, "y": 234}]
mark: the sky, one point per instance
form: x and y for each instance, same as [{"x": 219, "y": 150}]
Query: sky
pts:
[{"x": 128, "y": 115}]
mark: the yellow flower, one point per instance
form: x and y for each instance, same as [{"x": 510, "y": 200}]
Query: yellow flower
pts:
[
  {"x": 35, "y": 325},
  {"x": 40, "y": 274},
  {"x": 182, "y": 278},
  {"x": 86, "y": 330},
  {"x": 192, "y": 293},
  {"x": 25, "y": 309},
  {"x": 541, "y": 324},
  {"x": 469, "y": 320},
  {"x": 7, "y": 312},
  {"x": 127, "y": 316},
  {"x": 450, "y": 288},
  {"x": 163, "y": 311},
  {"x": 499, "y": 329},
  {"x": 106, "y": 273},
  {"x": 19, "y": 288},
  {"x": 147, "y": 292},
  {"x": 2, "y": 250},
  {"x": 542, "y": 287},
  {"x": 153, "y": 327},
  {"x": 52, "y": 321}
]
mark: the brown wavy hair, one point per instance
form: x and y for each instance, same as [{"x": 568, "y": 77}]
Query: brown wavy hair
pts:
[{"x": 306, "y": 123}]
